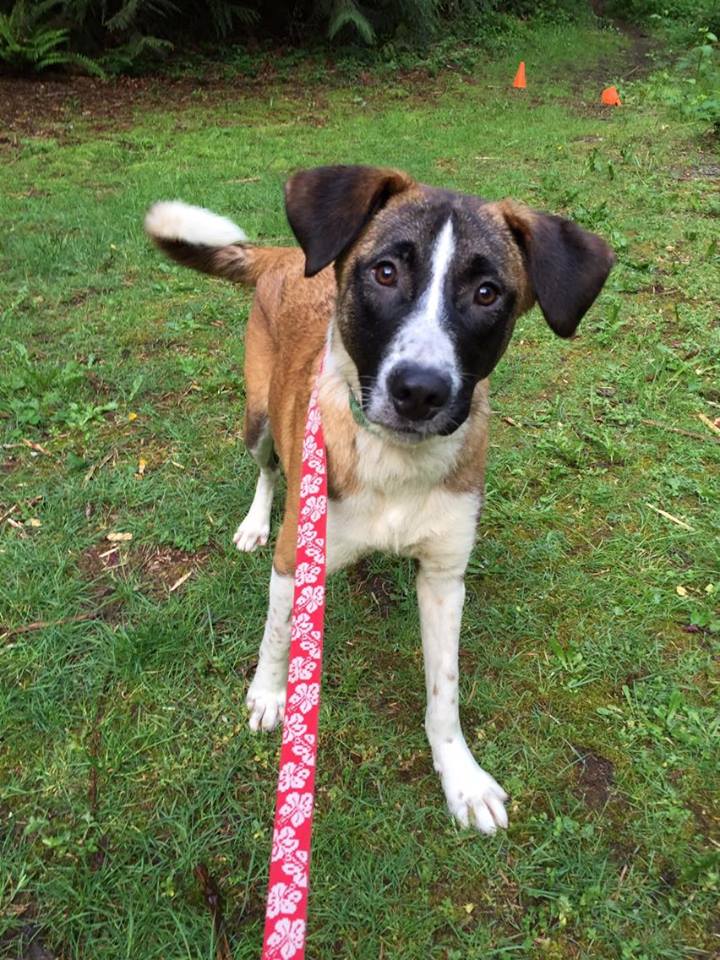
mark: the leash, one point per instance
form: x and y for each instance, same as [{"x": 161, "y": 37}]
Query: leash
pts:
[{"x": 286, "y": 912}]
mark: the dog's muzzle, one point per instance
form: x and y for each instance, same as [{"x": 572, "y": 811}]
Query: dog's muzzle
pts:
[{"x": 418, "y": 393}]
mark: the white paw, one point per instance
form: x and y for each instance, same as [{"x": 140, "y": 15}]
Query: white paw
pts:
[
  {"x": 253, "y": 532},
  {"x": 267, "y": 708},
  {"x": 473, "y": 797}
]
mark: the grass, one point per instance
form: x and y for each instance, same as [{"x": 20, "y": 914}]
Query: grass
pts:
[{"x": 589, "y": 680}]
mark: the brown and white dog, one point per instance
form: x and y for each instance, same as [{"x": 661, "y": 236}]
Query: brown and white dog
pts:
[{"x": 415, "y": 313}]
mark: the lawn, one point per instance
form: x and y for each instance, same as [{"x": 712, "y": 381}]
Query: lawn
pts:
[{"x": 130, "y": 786}]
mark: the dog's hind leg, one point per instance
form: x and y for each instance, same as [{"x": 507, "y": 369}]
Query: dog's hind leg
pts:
[
  {"x": 266, "y": 695},
  {"x": 254, "y": 531}
]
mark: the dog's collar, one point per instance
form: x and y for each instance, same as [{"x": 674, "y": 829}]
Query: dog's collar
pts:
[{"x": 359, "y": 415}]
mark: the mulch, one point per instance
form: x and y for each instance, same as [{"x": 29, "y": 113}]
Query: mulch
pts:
[{"x": 53, "y": 106}]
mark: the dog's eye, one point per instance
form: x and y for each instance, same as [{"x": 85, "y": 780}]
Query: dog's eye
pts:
[
  {"x": 385, "y": 273},
  {"x": 486, "y": 294}
]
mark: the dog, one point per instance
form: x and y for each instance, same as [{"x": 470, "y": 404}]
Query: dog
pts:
[{"x": 410, "y": 294}]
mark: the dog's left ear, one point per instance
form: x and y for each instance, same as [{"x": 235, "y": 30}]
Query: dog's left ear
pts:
[
  {"x": 567, "y": 265},
  {"x": 327, "y": 207}
]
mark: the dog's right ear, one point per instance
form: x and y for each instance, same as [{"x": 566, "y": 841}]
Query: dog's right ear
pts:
[{"x": 327, "y": 207}]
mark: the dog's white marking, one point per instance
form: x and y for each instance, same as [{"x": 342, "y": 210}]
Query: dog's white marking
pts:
[
  {"x": 255, "y": 529},
  {"x": 407, "y": 523},
  {"x": 175, "y": 220},
  {"x": 473, "y": 796},
  {"x": 266, "y": 695},
  {"x": 422, "y": 338}
]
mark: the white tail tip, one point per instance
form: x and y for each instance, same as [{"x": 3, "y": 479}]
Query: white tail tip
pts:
[{"x": 175, "y": 220}]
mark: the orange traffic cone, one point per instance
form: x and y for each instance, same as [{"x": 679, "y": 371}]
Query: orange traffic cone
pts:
[
  {"x": 610, "y": 97},
  {"x": 519, "y": 81}
]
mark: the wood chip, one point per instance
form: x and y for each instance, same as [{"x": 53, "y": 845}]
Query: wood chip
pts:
[
  {"x": 684, "y": 433},
  {"x": 669, "y": 516},
  {"x": 7, "y": 513},
  {"x": 36, "y": 447},
  {"x": 710, "y": 424},
  {"x": 107, "y": 553},
  {"x": 97, "y": 466},
  {"x": 181, "y": 581}
]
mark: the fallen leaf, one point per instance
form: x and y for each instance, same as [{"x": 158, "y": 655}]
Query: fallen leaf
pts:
[
  {"x": 468, "y": 907},
  {"x": 681, "y": 591},
  {"x": 132, "y": 416},
  {"x": 33, "y": 522},
  {"x": 141, "y": 467},
  {"x": 119, "y": 537}
]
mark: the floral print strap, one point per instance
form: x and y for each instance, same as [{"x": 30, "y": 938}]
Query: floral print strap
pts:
[{"x": 286, "y": 913}]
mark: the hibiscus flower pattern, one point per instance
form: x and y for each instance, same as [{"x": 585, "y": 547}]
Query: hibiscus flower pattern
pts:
[
  {"x": 301, "y": 668},
  {"x": 313, "y": 508},
  {"x": 311, "y": 598},
  {"x": 286, "y": 914},
  {"x": 306, "y": 573},
  {"x": 283, "y": 898},
  {"x": 287, "y": 939},
  {"x": 297, "y": 808}
]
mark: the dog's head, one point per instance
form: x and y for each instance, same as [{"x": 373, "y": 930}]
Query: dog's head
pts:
[{"x": 430, "y": 283}]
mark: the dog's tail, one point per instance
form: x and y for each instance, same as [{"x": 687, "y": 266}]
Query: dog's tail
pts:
[{"x": 203, "y": 240}]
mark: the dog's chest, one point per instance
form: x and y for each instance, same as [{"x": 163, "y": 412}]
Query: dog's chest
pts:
[{"x": 400, "y": 506}]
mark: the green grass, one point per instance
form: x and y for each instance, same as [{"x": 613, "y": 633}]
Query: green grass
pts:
[{"x": 591, "y": 627}]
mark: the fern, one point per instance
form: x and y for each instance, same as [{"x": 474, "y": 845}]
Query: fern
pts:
[
  {"x": 126, "y": 16},
  {"x": 224, "y": 14},
  {"x": 125, "y": 57},
  {"x": 345, "y": 13},
  {"x": 27, "y": 42}
]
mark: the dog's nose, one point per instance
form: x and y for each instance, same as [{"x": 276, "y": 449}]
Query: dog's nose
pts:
[{"x": 418, "y": 392}]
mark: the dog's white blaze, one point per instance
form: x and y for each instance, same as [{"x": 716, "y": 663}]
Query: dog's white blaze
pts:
[
  {"x": 423, "y": 338},
  {"x": 175, "y": 220},
  {"x": 429, "y": 309}
]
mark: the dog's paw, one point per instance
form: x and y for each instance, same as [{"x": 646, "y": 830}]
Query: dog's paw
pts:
[
  {"x": 252, "y": 533},
  {"x": 473, "y": 797},
  {"x": 267, "y": 708}
]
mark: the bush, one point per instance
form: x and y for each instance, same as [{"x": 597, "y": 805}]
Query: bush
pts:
[
  {"x": 121, "y": 34},
  {"x": 692, "y": 85},
  {"x": 682, "y": 17}
]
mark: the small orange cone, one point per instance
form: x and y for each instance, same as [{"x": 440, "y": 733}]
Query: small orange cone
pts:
[
  {"x": 519, "y": 81},
  {"x": 610, "y": 97}
]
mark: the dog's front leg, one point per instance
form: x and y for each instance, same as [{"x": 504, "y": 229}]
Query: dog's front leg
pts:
[
  {"x": 472, "y": 794},
  {"x": 266, "y": 695}
]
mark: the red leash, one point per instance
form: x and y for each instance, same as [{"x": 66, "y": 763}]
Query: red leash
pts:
[{"x": 286, "y": 913}]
